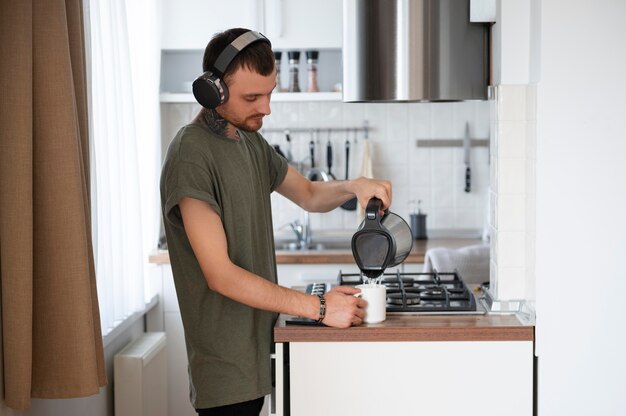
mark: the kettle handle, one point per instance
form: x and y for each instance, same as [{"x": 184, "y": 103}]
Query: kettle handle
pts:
[{"x": 372, "y": 211}]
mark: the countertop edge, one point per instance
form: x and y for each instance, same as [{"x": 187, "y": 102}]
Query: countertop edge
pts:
[
  {"x": 413, "y": 329},
  {"x": 402, "y": 335}
]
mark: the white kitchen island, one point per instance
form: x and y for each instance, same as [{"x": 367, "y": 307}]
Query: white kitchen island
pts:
[{"x": 410, "y": 365}]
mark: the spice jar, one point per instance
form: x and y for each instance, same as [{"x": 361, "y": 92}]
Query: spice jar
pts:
[
  {"x": 311, "y": 60},
  {"x": 277, "y": 57},
  {"x": 294, "y": 62}
]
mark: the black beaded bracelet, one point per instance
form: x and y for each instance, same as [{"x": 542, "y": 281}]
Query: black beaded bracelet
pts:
[{"x": 322, "y": 308}]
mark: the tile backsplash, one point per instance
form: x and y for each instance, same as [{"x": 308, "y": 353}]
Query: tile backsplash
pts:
[
  {"x": 513, "y": 189},
  {"x": 434, "y": 175}
]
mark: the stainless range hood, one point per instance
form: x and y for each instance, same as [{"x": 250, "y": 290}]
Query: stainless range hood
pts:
[{"x": 413, "y": 50}]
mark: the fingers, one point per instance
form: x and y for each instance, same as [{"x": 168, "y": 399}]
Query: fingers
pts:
[
  {"x": 344, "y": 309},
  {"x": 346, "y": 290},
  {"x": 384, "y": 194},
  {"x": 369, "y": 188},
  {"x": 359, "y": 313}
]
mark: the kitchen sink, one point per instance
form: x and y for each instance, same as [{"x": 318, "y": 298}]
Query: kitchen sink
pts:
[
  {"x": 315, "y": 246},
  {"x": 322, "y": 240}
]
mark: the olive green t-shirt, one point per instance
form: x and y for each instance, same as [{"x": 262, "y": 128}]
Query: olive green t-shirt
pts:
[{"x": 228, "y": 343}]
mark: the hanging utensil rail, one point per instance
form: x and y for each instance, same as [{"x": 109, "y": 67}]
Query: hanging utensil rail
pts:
[
  {"x": 451, "y": 142},
  {"x": 365, "y": 129}
]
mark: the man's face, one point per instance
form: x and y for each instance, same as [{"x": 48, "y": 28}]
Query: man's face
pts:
[{"x": 249, "y": 99}]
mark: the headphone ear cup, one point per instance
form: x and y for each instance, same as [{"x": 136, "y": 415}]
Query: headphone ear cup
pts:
[{"x": 209, "y": 90}]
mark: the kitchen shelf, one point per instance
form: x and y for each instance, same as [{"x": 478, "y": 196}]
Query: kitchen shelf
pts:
[
  {"x": 306, "y": 96},
  {"x": 168, "y": 97}
]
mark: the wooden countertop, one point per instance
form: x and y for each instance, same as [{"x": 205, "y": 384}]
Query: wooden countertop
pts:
[
  {"x": 489, "y": 327},
  {"x": 343, "y": 256}
]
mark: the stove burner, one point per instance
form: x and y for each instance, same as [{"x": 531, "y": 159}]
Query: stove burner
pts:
[
  {"x": 396, "y": 298},
  {"x": 433, "y": 293},
  {"x": 393, "y": 282}
]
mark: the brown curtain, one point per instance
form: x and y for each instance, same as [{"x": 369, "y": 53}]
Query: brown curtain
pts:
[{"x": 51, "y": 338}]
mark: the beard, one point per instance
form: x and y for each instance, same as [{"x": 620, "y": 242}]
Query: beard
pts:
[{"x": 250, "y": 124}]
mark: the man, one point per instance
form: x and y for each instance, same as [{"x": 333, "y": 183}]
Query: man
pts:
[{"x": 215, "y": 193}]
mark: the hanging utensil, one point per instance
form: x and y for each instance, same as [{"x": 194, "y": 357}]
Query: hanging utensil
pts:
[
  {"x": 312, "y": 150},
  {"x": 313, "y": 175},
  {"x": 278, "y": 150},
  {"x": 349, "y": 205},
  {"x": 289, "y": 154},
  {"x": 467, "y": 150},
  {"x": 329, "y": 157}
]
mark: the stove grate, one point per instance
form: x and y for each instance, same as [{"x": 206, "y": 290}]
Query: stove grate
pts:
[{"x": 421, "y": 292}]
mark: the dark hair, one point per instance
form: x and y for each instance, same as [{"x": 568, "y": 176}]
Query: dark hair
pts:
[{"x": 257, "y": 57}]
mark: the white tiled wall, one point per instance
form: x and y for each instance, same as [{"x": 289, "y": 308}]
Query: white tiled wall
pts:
[
  {"x": 433, "y": 175},
  {"x": 512, "y": 213}
]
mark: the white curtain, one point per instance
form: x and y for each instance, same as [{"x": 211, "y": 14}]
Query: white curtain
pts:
[{"x": 125, "y": 147}]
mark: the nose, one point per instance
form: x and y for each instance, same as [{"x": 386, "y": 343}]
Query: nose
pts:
[{"x": 264, "y": 106}]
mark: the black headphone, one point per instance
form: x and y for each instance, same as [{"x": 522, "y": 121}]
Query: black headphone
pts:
[{"x": 209, "y": 88}]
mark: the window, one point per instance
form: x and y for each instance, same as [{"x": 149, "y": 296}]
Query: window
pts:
[{"x": 123, "y": 66}]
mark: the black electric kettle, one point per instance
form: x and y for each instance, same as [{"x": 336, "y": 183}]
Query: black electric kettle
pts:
[{"x": 380, "y": 242}]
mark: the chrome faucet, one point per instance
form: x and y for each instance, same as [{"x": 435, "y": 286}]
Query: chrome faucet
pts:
[
  {"x": 303, "y": 231},
  {"x": 298, "y": 230},
  {"x": 307, "y": 233}
]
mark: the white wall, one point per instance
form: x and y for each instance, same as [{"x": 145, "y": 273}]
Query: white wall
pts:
[
  {"x": 513, "y": 151},
  {"x": 581, "y": 209}
]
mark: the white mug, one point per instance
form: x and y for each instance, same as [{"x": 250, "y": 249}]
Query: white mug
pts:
[{"x": 376, "y": 298}]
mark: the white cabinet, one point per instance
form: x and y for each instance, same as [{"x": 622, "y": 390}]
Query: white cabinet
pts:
[
  {"x": 190, "y": 24},
  {"x": 304, "y": 24},
  {"x": 430, "y": 378},
  {"x": 290, "y": 24},
  {"x": 177, "y": 376},
  {"x": 177, "y": 379}
]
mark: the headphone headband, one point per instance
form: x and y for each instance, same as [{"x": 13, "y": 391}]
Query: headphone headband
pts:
[{"x": 240, "y": 43}]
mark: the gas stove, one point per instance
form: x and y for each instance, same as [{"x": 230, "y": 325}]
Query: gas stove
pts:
[{"x": 435, "y": 292}]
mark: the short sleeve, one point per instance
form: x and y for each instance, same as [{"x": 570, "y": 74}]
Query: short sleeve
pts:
[
  {"x": 187, "y": 180},
  {"x": 277, "y": 165}
]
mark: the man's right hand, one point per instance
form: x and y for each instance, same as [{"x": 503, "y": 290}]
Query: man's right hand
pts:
[{"x": 343, "y": 309}]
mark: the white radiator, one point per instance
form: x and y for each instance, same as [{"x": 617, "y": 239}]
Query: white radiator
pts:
[{"x": 140, "y": 377}]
